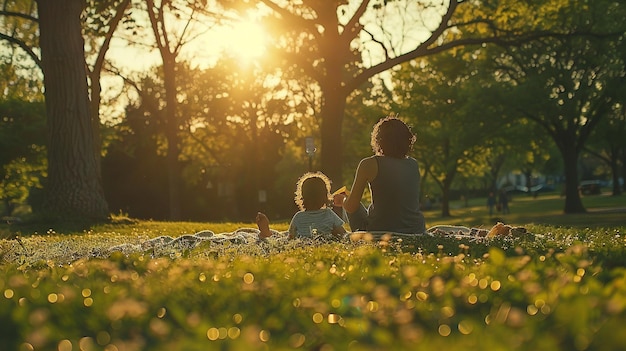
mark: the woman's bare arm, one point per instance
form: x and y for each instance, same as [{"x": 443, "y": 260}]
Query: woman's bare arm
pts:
[{"x": 365, "y": 173}]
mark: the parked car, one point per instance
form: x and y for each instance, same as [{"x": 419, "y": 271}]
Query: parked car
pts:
[{"x": 590, "y": 187}]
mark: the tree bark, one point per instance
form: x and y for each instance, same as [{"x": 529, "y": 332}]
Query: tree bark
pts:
[
  {"x": 332, "y": 145},
  {"x": 168, "y": 55},
  {"x": 573, "y": 203},
  {"x": 173, "y": 138},
  {"x": 74, "y": 184}
]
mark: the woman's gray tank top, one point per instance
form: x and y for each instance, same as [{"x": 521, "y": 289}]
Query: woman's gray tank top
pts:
[{"x": 395, "y": 197}]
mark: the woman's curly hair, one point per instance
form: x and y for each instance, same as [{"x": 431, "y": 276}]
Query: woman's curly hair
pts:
[
  {"x": 392, "y": 137},
  {"x": 312, "y": 191}
]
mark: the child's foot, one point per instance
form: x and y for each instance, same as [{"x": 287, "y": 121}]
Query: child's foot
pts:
[{"x": 264, "y": 225}]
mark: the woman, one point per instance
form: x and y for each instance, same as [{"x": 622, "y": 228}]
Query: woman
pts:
[{"x": 394, "y": 181}]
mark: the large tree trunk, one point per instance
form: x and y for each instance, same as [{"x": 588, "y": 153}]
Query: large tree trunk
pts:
[
  {"x": 614, "y": 164},
  {"x": 623, "y": 171},
  {"x": 445, "y": 193},
  {"x": 336, "y": 56},
  {"x": 74, "y": 185},
  {"x": 573, "y": 203},
  {"x": 617, "y": 189},
  {"x": 332, "y": 145},
  {"x": 445, "y": 202},
  {"x": 173, "y": 138}
]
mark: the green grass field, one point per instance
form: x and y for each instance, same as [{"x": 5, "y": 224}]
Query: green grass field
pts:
[
  {"x": 547, "y": 209},
  {"x": 564, "y": 289}
]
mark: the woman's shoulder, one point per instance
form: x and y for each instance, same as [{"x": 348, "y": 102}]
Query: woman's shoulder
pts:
[
  {"x": 405, "y": 159},
  {"x": 368, "y": 167},
  {"x": 369, "y": 159}
]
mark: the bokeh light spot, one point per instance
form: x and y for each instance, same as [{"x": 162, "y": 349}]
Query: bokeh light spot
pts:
[
  {"x": 103, "y": 338},
  {"x": 264, "y": 335},
  {"x": 465, "y": 327},
  {"x": 472, "y": 299},
  {"x": 212, "y": 334},
  {"x": 495, "y": 285},
  {"x": 64, "y": 345},
  {"x": 53, "y": 298},
  {"x": 297, "y": 340},
  {"x": 234, "y": 332},
  {"x": 444, "y": 330},
  {"x": 161, "y": 312},
  {"x": 86, "y": 343},
  {"x": 318, "y": 318}
]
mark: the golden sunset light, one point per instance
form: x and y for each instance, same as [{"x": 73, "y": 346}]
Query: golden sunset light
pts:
[{"x": 244, "y": 40}]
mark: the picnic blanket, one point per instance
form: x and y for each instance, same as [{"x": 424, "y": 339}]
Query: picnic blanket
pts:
[{"x": 251, "y": 236}]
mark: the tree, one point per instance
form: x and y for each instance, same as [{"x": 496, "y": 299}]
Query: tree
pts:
[
  {"x": 247, "y": 105},
  {"x": 68, "y": 136},
  {"x": 343, "y": 44},
  {"x": 442, "y": 94},
  {"x": 232, "y": 124},
  {"x": 134, "y": 167},
  {"x": 525, "y": 148},
  {"x": 567, "y": 86},
  {"x": 607, "y": 143},
  {"x": 22, "y": 150},
  {"x": 171, "y": 24},
  {"x": 103, "y": 19},
  {"x": 73, "y": 187},
  {"x": 18, "y": 19}
]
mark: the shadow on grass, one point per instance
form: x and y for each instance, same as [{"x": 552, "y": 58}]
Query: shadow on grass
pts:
[{"x": 11, "y": 228}]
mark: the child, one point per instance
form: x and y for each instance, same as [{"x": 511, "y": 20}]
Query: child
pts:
[
  {"x": 394, "y": 182},
  {"x": 315, "y": 217}
]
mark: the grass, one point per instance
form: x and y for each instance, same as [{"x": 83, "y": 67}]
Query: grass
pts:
[
  {"x": 547, "y": 209},
  {"x": 566, "y": 290}
]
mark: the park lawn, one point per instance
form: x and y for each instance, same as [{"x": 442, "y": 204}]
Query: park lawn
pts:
[
  {"x": 547, "y": 209},
  {"x": 564, "y": 289}
]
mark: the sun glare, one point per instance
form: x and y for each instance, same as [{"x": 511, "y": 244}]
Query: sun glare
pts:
[{"x": 245, "y": 40}]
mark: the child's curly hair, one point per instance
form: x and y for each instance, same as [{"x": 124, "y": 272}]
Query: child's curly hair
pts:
[
  {"x": 312, "y": 191},
  {"x": 392, "y": 137}
]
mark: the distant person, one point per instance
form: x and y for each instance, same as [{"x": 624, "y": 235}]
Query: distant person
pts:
[
  {"x": 491, "y": 202},
  {"x": 394, "y": 182},
  {"x": 315, "y": 216},
  {"x": 503, "y": 202},
  {"x": 428, "y": 204}
]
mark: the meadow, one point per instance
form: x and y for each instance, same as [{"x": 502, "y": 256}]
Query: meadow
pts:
[{"x": 562, "y": 287}]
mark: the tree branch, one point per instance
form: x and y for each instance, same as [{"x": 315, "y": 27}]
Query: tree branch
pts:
[
  {"x": 352, "y": 28},
  {"x": 119, "y": 14},
  {"x": 24, "y": 47},
  {"x": 19, "y": 15}
]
